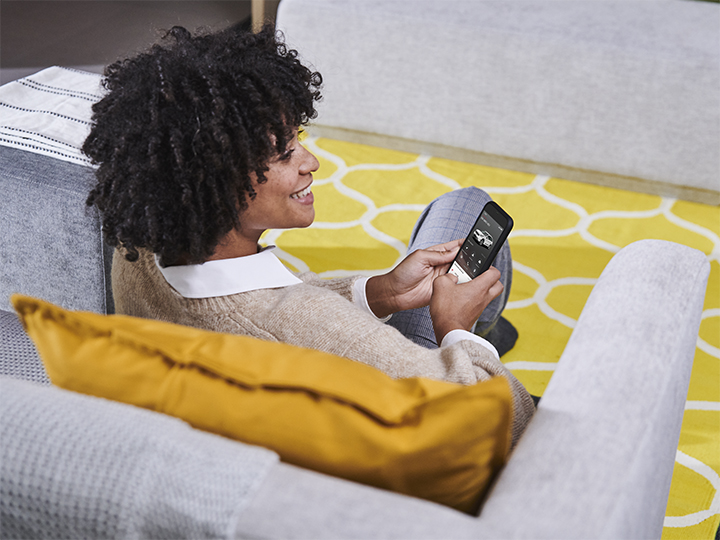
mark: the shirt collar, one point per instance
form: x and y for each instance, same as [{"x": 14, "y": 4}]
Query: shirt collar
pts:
[{"x": 262, "y": 270}]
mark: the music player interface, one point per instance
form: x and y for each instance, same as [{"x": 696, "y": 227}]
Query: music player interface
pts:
[{"x": 476, "y": 248}]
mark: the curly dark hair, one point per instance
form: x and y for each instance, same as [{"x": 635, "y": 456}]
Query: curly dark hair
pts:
[{"x": 181, "y": 130}]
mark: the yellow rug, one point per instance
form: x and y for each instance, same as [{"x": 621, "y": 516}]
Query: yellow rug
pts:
[{"x": 367, "y": 200}]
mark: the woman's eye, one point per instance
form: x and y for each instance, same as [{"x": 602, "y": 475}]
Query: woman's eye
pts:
[{"x": 286, "y": 155}]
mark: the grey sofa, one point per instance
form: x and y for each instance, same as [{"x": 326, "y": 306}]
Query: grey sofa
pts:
[
  {"x": 620, "y": 93},
  {"x": 595, "y": 462}
]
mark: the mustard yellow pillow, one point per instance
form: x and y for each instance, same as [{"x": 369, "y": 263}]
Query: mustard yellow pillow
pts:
[{"x": 430, "y": 439}]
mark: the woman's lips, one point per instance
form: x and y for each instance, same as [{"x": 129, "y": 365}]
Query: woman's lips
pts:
[{"x": 302, "y": 193}]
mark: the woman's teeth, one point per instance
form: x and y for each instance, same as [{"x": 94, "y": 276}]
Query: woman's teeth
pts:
[{"x": 300, "y": 194}]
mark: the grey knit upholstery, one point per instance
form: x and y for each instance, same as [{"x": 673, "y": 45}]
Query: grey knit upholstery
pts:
[
  {"x": 18, "y": 357},
  {"x": 52, "y": 246},
  {"x": 74, "y": 466}
]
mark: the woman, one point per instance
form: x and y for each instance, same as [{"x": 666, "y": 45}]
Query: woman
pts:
[{"x": 198, "y": 153}]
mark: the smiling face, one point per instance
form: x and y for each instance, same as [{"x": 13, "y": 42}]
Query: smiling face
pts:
[{"x": 285, "y": 201}]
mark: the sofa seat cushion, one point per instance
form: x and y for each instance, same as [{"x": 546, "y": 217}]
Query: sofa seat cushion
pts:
[{"x": 431, "y": 439}]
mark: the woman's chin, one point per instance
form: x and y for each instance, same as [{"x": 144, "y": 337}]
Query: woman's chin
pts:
[
  {"x": 308, "y": 223},
  {"x": 305, "y": 221}
]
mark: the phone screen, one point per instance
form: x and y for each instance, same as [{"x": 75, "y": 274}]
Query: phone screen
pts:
[{"x": 482, "y": 244}]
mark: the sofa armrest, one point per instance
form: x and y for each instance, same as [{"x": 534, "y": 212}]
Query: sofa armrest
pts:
[
  {"x": 77, "y": 466},
  {"x": 597, "y": 458}
]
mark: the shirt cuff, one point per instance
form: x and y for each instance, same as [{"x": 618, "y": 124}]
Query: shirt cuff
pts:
[
  {"x": 360, "y": 298},
  {"x": 455, "y": 336}
]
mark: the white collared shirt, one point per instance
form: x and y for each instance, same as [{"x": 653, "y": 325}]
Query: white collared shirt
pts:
[
  {"x": 224, "y": 277},
  {"x": 264, "y": 270}
]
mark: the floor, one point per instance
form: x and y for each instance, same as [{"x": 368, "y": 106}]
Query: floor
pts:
[{"x": 86, "y": 34}]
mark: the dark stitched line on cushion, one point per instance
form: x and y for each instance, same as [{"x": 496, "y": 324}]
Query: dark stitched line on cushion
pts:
[
  {"x": 89, "y": 94},
  {"x": 36, "y": 134},
  {"x": 45, "y": 112},
  {"x": 58, "y": 91},
  {"x": 12, "y": 143}
]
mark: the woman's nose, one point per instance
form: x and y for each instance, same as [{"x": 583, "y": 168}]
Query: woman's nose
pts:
[{"x": 309, "y": 163}]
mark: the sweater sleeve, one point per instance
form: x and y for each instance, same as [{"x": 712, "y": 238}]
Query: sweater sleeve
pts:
[{"x": 332, "y": 324}]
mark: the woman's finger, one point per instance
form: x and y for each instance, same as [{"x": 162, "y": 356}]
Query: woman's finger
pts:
[{"x": 447, "y": 246}]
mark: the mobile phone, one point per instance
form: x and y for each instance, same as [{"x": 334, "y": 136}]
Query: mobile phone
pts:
[{"x": 482, "y": 245}]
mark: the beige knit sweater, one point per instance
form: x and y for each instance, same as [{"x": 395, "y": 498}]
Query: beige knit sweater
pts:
[{"x": 317, "y": 314}]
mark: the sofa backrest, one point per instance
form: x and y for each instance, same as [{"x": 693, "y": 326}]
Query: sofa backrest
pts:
[
  {"x": 615, "y": 93},
  {"x": 51, "y": 244}
]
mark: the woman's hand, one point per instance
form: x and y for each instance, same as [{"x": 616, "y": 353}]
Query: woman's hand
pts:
[
  {"x": 410, "y": 284},
  {"x": 457, "y": 306}
]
